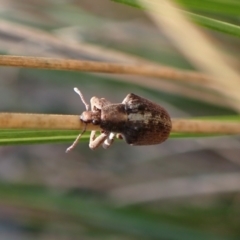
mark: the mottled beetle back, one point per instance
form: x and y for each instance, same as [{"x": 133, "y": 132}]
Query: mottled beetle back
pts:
[
  {"x": 137, "y": 120},
  {"x": 148, "y": 123},
  {"x": 140, "y": 121}
]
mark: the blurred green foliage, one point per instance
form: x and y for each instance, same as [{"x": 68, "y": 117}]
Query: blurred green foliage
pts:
[{"x": 42, "y": 211}]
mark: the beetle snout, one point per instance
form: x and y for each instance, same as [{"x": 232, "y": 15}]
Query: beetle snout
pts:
[
  {"x": 91, "y": 117},
  {"x": 86, "y": 116}
]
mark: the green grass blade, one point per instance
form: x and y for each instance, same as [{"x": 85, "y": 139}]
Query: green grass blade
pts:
[
  {"x": 224, "y": 8},
  {"x": 207, "y": 22},
  {"x": 17, "y": 136},
  {"x": 214, "y": 24}
]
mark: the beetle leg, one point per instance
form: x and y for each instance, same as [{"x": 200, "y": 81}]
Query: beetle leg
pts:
[
  {"x": 95, "y": 142},
  {"x": 92, "y": 136},
  {"x": 96, "y": 105},
  {"x": 109, "y": 140}
]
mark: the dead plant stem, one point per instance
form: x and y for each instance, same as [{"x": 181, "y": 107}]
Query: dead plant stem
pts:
[
  {"x": 71, "y": 122},
  {"x": 104, "y": 67}
]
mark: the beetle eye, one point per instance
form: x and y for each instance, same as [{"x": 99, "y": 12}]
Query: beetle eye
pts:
[{"x": 95, "y": 121}]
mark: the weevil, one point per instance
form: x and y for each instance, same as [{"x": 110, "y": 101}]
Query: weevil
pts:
[{"x": 136, "y": 120}]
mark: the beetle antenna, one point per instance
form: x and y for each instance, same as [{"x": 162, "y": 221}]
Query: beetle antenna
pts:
[
  {"x": 76, "y": 140},
  {"x": 82, "y": 98}
]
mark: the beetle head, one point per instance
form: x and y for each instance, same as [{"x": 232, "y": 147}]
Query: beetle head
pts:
[{"x": 93, "y": 117}]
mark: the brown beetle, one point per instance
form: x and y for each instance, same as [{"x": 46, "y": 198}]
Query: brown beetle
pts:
[{"x": 137, "y": 120}]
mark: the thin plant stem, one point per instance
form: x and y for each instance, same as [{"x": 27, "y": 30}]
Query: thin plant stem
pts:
[
  {"x": 73, "y": 122},
  {"x": 205, "y": 126},
  {"x": 105, "y": 67},
  {"x": 43, "y": 121}
]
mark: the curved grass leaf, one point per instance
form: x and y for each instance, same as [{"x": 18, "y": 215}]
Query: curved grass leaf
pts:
[
  {"x": 209, "y": 6},
  {"x": 213, "y": 6},
  {"x": 214, "y": 24}
]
